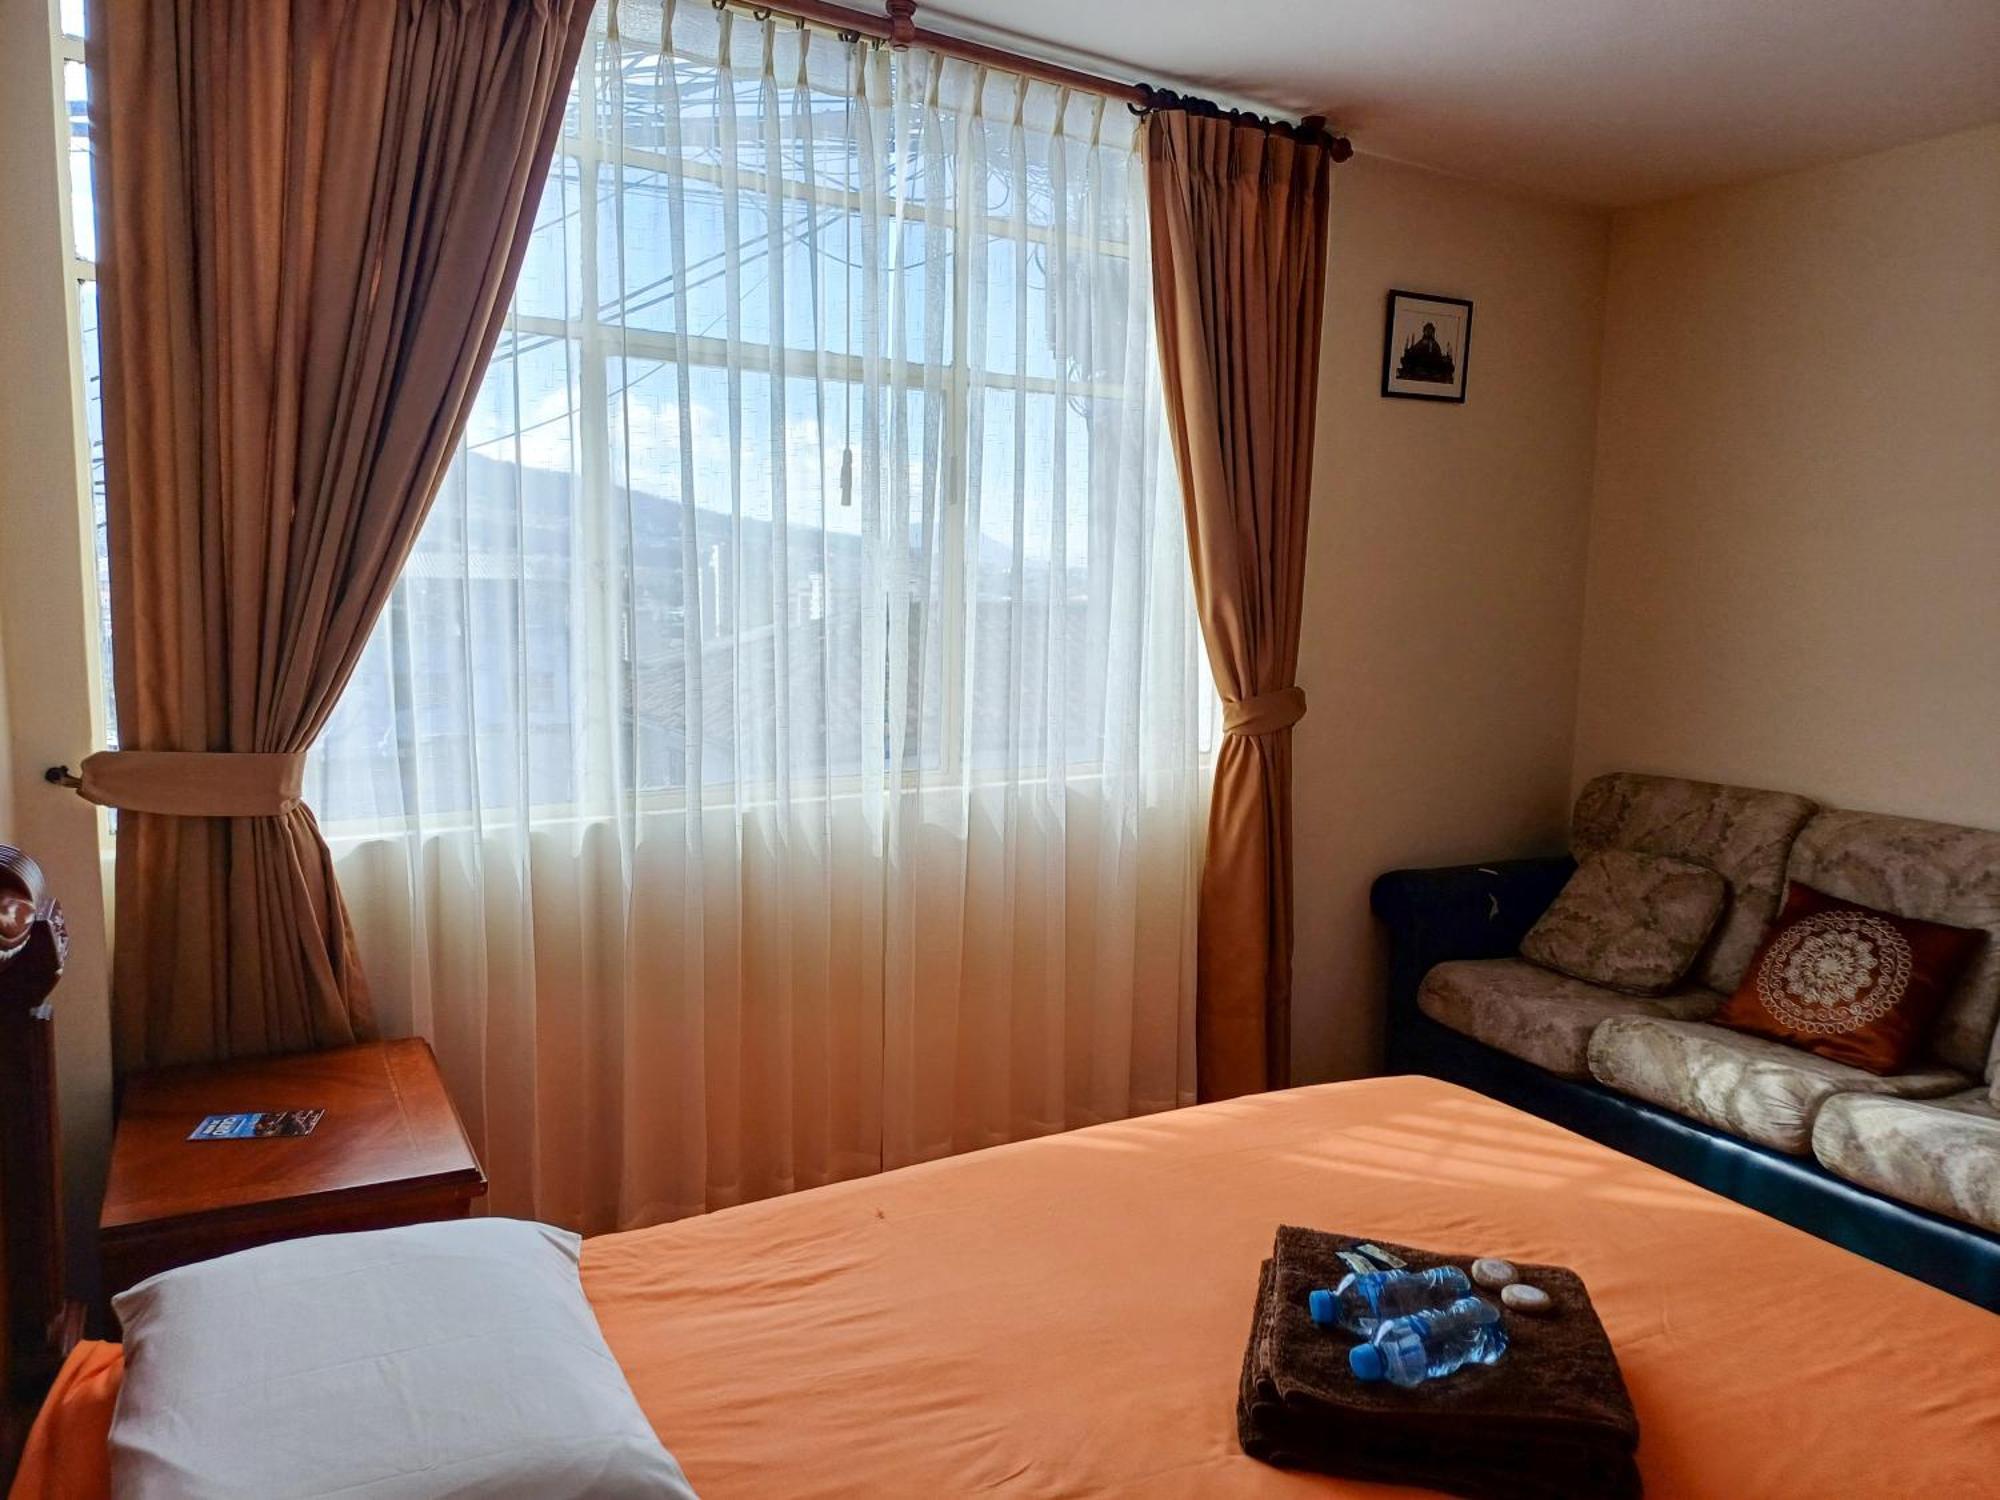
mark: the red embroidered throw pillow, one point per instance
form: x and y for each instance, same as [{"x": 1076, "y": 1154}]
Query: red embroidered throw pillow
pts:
[{"x": 1854, "y": 985}]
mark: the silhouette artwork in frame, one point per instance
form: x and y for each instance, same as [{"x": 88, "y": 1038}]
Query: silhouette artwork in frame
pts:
[{"x": 1425, "y": 345}]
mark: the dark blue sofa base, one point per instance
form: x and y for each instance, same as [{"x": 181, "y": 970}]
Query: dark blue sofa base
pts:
[{"x": 1482, "y": 912}]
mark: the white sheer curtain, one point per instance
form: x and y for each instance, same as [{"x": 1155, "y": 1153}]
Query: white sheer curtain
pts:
[{"x": 782, "y": 757}]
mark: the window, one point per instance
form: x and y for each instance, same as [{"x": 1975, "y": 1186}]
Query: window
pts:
[
  {"x": 82, "y": 234},
  {"x": 821, "y": 445}
]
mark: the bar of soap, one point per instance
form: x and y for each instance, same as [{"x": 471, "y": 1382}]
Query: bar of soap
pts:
[
  {"x": 1524, "y": 1298},
  {"x": 1490, "y": 1271}
]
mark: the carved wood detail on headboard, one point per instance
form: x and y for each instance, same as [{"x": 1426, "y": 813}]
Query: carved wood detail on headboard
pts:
[{"x": 34, "y": 1317}]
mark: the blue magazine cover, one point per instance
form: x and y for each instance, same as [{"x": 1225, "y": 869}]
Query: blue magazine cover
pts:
[{"x": 258, "y": 1125}]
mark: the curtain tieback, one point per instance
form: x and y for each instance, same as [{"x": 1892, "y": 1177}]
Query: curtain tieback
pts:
[
  {"x": 1266, "y": 713},
  {"x": 195, "y": 783}
]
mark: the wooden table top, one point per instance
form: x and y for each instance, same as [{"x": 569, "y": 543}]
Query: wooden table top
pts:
[{"x": 389, "y": 1125}]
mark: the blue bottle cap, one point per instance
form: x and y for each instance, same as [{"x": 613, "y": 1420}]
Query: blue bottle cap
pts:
[
  {"x": 1365, "y": 1360},
  {"x": 1320, "y": 1305}
]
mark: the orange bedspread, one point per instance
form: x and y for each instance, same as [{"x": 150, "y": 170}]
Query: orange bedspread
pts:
[{"x": 1066, "y": 1316}]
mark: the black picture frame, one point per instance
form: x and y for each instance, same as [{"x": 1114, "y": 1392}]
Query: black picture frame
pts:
[{"x": 1410, "y": 373}]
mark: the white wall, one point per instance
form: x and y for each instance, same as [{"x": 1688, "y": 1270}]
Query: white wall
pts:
[
  {"x": 1795, "y": 543},
  {"x": 47, "y": 593},
  {"x": 1444, "y": 581}
]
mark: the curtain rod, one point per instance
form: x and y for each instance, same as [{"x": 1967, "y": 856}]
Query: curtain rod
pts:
[{"x": 898, "y": 27}]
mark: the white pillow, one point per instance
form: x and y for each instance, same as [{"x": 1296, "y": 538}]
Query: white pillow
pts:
[{"x": 454, "y": 1359}]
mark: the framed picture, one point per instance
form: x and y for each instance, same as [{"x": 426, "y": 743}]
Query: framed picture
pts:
[{"x": 1425, "y": 345}]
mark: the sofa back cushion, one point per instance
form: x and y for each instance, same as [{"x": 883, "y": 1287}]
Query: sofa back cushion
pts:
[
  {"x": 1937, "y": 871},
  {"x": 1629, "y": 921},
  {"x": 1743, "y": 834}
]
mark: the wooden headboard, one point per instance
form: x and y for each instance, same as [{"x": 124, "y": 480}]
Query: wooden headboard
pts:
[{"x": 36, "y": 1321}]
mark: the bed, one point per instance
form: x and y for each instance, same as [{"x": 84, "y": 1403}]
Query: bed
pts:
[{"x": 1065, "y": 1316}]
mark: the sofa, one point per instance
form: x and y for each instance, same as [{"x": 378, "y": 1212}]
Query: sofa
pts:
[{"x": 1904, "y": 1169}]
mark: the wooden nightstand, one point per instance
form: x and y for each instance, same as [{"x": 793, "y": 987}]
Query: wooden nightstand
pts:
[{"x": 389, "y": 1151}]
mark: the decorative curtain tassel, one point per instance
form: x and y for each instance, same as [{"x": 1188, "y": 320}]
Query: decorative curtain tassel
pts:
[{"x": 846, "y": 477}]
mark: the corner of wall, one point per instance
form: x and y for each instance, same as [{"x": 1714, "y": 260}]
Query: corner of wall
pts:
[{"x": 1615, "y": 221}]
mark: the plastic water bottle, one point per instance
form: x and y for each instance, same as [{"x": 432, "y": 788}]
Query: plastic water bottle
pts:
[
  {"x": 1424, "y": 1346},
  {"x": 1365, "y": 1298}
]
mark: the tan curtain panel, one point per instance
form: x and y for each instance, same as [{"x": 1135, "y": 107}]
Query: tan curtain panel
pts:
[
  {"x": 312, "y": 215},
  {"x": 1238, "y": 215}
]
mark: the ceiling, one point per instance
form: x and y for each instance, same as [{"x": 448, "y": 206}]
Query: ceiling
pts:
[{"x": 1595, "y": 101}]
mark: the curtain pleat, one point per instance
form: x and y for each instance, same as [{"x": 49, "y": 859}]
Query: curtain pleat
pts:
[
  {"x": 782, "y": 757},
  {"x": 312, "y": 215},
  {"x": 1239, "y": 223}
]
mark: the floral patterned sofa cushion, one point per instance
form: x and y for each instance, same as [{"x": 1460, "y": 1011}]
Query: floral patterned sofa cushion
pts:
[
  {"x": 1743, "y": 834},
  {"x": 1536, "y": 1014},
  {"x": 1938, "y": 872},
  {"x": 1630, "y": 921},
  {"x": 1759, "y": 1090},
  {"x": 1939, "y": 1154}
]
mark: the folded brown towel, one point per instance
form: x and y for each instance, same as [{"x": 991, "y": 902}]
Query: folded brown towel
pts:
[{"x": 1550, "y": 1421}]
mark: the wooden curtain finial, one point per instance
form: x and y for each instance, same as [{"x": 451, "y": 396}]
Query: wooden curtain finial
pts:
[
  {"x": 1314, "y": 127},
  {"x": 902, "y": 23}
]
